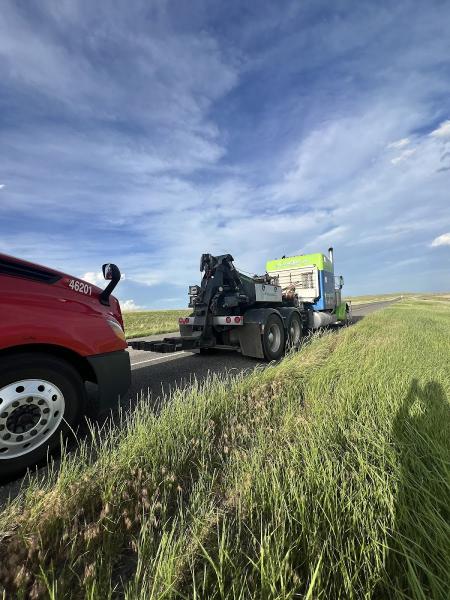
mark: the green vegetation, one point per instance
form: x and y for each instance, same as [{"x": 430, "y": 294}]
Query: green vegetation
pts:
[
  {"x": 403, "y": 295},
  {"x": 326, "y": 476},
  {"x": 355, "y": 300},
  {"x": 150, "y": 322}
]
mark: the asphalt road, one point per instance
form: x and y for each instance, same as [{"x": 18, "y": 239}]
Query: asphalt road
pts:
[{"x": 156, "y": 374}]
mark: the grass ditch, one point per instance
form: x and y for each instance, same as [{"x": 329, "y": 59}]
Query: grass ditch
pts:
[
  {"x": 150, "y": 322},
  {"x": 326, "y": 476},
  {"x": 434, "y": 297},
  {"x": 368, "y": 299}
]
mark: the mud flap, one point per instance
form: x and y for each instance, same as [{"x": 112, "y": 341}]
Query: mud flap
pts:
[
  {"x": 341, "y": 311},
  {"x": 250, "y": 340}
]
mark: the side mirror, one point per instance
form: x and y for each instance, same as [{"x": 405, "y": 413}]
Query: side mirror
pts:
[{"x": 111, "y": 273}]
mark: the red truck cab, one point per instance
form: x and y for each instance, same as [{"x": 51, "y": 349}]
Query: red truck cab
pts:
[{"x": 56, "y": 333}]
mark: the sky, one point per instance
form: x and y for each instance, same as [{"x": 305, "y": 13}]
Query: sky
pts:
[{"x": 148, "y": 132}]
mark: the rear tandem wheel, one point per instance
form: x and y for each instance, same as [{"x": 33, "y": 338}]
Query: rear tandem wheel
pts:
[
  {"x": 273, "y": 338},
  {"x": 294, "y": 331}
]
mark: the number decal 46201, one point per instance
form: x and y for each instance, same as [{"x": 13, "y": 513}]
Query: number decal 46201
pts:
[{"x": 80, "y": 286}]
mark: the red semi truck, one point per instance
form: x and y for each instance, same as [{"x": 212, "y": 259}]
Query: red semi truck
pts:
[{"x": 57, "y": 332}]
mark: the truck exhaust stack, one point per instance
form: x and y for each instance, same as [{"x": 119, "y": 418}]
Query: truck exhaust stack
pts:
[{"x": 331, "y": 254}]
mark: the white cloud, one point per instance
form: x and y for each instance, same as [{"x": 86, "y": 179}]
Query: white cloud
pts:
[
  {"x": 333, "y": 236},
  {"x": 398, "y": 144},
  {"x": 403, "y": 156},
  {"x": 94, "y": 278},
  {"x": 441, "y": 240},
  {"x": 400, "y": 264},
  {"x": 160, "y": 176},
  {"x": 443, "y": 131},
  {"x": 2, "y": 185},
  {"x": 130, "y": 305}
]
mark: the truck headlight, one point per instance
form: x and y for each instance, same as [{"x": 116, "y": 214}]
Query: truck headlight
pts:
[{"x": 117, "y": 329}]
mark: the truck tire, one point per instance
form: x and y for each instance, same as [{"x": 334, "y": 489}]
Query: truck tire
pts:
[
  {"x": 348, "y": 316},
  {"x": 294, "y": 330},
  {"x": 273, "y": 338},
  {"x": 41, "y": 399}
]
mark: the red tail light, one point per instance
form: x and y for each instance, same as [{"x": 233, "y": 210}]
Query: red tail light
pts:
[
  {"x": 228, "y": 319},
  {"x": 237, "y": 319}
]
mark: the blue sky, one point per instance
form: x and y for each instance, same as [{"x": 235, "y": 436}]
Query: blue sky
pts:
[{"x": 146, "y": 133}]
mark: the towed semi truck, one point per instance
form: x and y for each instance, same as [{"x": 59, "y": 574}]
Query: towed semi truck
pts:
[
  {"x": 260, "y": 316},
  {"x": 57, "y": 332}
]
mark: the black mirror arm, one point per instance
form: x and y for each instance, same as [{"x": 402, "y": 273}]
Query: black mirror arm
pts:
[
  {"x": 104, "y": 296},
  {"x": 115, "y": 278}
]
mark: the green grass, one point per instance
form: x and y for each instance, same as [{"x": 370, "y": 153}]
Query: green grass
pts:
[
  {"x": 368, "y": 299},
  {"x": 326, "y": 476},
  {"x": 355, "y": 300},
  {"x": 150, "y": 322}
]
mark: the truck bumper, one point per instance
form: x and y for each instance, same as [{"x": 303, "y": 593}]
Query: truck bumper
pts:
[{"x": 113, "y": 373}]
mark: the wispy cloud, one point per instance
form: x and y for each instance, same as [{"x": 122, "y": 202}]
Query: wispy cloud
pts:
[
  {"x": 398, "y": 144},
  {"x": 403, "y": 156},
  {"x": 441, "y": 240},
  {"x": 149, "y": 134},
  {"x": 443, "y": 131}
]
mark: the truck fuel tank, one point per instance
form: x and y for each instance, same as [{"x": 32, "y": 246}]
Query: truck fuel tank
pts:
[{"x": 320, "y": 319}]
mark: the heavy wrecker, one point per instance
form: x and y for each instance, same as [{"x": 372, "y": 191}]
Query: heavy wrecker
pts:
[{"x": 260, "y": 316}]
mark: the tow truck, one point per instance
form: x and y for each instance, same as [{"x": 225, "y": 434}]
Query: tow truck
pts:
[
  {"x": 261, "y": 316},
  {"x": 57, "y": 332}
]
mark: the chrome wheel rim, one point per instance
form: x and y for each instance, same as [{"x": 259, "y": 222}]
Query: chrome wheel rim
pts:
[
  {"x": 31, "y": 410},
  {"x": 274, "y": 338}
]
